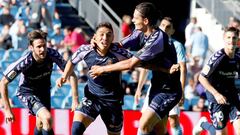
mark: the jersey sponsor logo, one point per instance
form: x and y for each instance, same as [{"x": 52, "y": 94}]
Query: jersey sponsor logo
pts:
[
  {"x": 12, "y": 74},
  {"x": 205, "y": 69}
]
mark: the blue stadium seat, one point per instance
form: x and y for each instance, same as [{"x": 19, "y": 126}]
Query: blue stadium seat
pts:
[
  {"x": 65, "y": 90},
  {"x": 81, "y": 90},
  {"x": 2, "y": 52},
  {"x": 12, "y": 88},
  {"x": 5, "y": 64},
  {"x": 16, "y": 102},
  {"x": 57, "y": 102},
  {"x": 194, "y": 101},
  {"x": 140, "y": 104},
  {"x": 126, "y": 77},
  {"x": 12, "y": 55},
  {"x": 55, "y": 75},
  {"x": 186, "y": 105},
  {"x": 128, "y": 102}
]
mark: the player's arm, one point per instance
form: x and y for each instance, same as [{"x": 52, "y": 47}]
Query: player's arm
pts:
[
  {"x": 74, "y": 86},
  {"x": 141, "y": 81},
  {"x": 183, "y": 75},
  {"x": 67, "y": 72},
  {"x": 7, "y": 107},
  {"x": 206, "y": 84},
  {"x": 119, "y": 66}
]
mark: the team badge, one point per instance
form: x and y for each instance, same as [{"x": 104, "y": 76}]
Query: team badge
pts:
[
  {"x": 205, "y": 69},
  {"x": 12, "y": 75}
]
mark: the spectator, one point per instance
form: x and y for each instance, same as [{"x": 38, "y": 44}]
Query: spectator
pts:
[
  {"x": 189, "y": 92},
  {"x": 200, "y": 106},
  {"x": 5, "y": 38},
  {"x": 197, "y": 46},
  {"x": 190, "y": 28},
  {"x": 57, "y": 37},
  {"x": 132, "y": 85},
  {"x": 20, "y": 40},
  {"x": 72, "y": 40},
  {"x": 126, "y": 25},
  {"x": 6, "y": 18}
]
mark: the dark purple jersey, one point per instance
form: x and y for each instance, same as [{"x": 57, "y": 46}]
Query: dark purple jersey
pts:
[
  {"x": 35, "y": 76},
  {"x": 108, "y": 85},
  {"x": 221, "y": 71},
  {"x": 156, "y": 51}
]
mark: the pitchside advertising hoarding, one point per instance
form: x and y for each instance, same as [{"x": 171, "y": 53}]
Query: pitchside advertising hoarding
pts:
[{"x": 24, "y": 124}]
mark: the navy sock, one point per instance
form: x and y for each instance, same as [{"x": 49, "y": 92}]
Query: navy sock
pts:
[
  {"x": 47, "y": 132},
  {"x": 78, "y": 128},
  {"x": 209, "y": 127},
  {"x": 37, "y": 132}
]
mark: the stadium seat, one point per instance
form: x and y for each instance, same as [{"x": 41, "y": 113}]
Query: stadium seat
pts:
[
  {"x": 16, "y": 102},
  {"x": 128, "y": 102},
  {"x": 55, "y": 75},
  {"x": 12, "y": 55},
  {"x": 194, "y": 101},
  {"x": 81, "y": 87},
  {"x": 186, "y": 105},
  {"x": 57, "y": 102},
  {"x": 5, "y": 64},
  {"x": 126, "y": 77},
  {"x": 2, "y": 52},
  {"x": 65, "y": 90},
  {"x": 12, "y": 88}
]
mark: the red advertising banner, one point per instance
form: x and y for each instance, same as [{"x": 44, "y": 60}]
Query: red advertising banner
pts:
[{"x": 24, "y": 124}]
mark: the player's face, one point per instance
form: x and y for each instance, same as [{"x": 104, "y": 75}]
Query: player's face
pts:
[
  {"x": 230, "y": 40},
  {"x": 39, "y": 49},
  {"x": 104, "y": 37},
  {"x": 166, "y": 26},
  {"x": 139, "y": 22}
]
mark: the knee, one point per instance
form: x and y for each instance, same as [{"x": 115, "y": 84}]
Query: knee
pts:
[
  {"x": 47, "y": 122},
  {"x": 78, "y": 128},
  {"x": 145, "y": 128}
]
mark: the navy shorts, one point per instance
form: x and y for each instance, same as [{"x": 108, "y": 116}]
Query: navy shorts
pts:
[
  {"x": 221, "y": 113},
  {"x": 33, "y": 102},
  {"x": 162, "y": 103},
  {"x": 110, "y": 112}
]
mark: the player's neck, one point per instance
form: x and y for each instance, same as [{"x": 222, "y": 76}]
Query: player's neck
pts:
[
  {"x": 149, "y": 31},
  {"x": 230, "y": 53}
]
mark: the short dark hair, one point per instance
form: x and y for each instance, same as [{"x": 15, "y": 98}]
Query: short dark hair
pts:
[
  {"x": 105, "y": 24},
  {"x": 149, "y": 11},
  {"x": 169, "y": 19},
  {"x": 36, "y": 34},
  {"x": 232, "y": 29}
]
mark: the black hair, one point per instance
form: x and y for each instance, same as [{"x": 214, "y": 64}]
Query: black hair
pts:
[
  {"x": 104, "y": 24},
  {"x": 149, "y": 11}
]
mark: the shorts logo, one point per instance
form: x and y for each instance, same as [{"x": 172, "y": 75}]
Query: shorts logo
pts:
[
  {"x": 205, "y": 69},
  {"x": 86, "y": 102},
  {"x": 11, "y": 75}
]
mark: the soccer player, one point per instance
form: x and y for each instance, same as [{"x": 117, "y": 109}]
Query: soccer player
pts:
[
  {"x": 104, "y": 94},
  {"x": 218, "y": 77},
  {"x": 34, "y": 86},
  {"x": 157, "y": 54},
  {"x": 167, "y": 26}
]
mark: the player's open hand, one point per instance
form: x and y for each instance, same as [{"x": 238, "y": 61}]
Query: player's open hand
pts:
[
  {"x": 174, "y": 68},
  {"x": 60, "y": 82},
  {"x": 220, "y": 98},
  {"x": 9, "y": 117},
  {"x": 75, "y": 104},
  {"x": 96, "y": 71},
  {"x": 137, "y": 96}
]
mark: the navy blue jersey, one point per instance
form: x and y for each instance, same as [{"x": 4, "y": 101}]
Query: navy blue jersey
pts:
[
  {"x": 108, "y": 85},
  {"x": 221, "y": 72},
  {"x": 156, "y": 51},
  {"x": 35, "y": 76}
]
